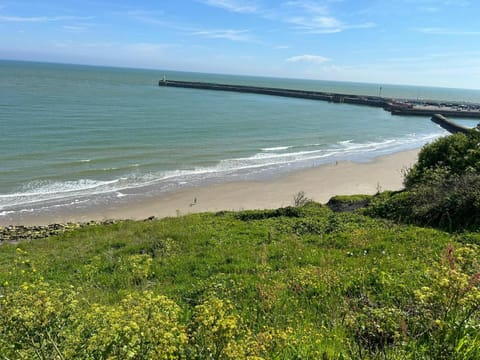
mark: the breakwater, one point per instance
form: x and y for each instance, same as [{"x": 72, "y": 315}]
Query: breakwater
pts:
[
  {"x": 303, "y": 94},
  {"x": 429, "y": 110},
  {"x": 449, "y": 125},
  {"x": 394, "y": 106}
]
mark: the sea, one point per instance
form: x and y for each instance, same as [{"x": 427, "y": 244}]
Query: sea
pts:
[{"x": 80, "y": 137}]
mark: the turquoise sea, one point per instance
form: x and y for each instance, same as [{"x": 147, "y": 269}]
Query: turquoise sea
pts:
[{"x": 81, "y": 136}]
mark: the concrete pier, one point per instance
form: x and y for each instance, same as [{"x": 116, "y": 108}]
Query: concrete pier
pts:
[
  {"x": 420, "y": 110},
  {"x": 450, "y": 125},
  {"x": 303, "y": 94},
  {"x": 396, "y": 107},
  {"x": 249, "y": 89}
]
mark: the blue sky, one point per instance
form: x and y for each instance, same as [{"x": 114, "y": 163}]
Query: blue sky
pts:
[{"x": 417, "y": 42}]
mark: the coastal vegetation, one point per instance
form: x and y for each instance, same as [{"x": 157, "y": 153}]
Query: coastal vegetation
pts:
[
  {"x": 396, "y": 277},
  {"x": 442, "y": 190}
]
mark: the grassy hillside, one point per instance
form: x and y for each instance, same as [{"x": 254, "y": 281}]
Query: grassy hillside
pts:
[
  {"x": 294, "y": 283},
  {"x": 299, "y": 283}
]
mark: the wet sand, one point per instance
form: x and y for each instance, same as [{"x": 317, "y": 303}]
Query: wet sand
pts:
[{"x": 319, "y": 184}]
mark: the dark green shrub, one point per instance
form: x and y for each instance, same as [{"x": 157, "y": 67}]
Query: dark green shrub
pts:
[
  {"x": 451, "y": 155},
  {"x": 442, "y": 189},
  {"x": 451, "y": 203},
  {"x": 395, "y": 206},
  {"x": 289, "y": 211},
  {"x": 348, "y": 203}
]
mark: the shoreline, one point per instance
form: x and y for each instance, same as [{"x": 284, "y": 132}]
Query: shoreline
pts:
[{"x": 318, "y": 183}]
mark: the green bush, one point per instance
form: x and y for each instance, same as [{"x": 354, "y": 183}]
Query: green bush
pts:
[
  {"x": 456, "y": 154},
  {"x": 451, "y": 203},
  {"x": 289, "y": 211},
  {"x": 442, "y": 189}
]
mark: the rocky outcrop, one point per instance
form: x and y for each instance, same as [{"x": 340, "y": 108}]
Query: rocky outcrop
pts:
[{"x": 17, "y": 233}]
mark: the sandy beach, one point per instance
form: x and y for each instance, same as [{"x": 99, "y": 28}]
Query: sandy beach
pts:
[{"x": 319, "y": 184}]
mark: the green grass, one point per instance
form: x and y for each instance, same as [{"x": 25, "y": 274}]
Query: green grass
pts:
[
  {"x": 295, "y": 276},
  {"x": 293, "y": 283}
]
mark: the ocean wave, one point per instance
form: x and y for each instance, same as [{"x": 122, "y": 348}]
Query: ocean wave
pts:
[
  {"x": 69, "y": 192},
  {"x": 341, "y": 149},
  {"x": 39, "y": 191},
  {"x": 277, "y": 148},
  {"x": 57, "y": 187}
]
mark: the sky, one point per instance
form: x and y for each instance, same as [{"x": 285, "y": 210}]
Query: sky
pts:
[{"x": 412, "y": 42}]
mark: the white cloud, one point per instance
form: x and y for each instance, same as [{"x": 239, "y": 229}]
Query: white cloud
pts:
[
  {"x": 317, "y": 24},
  {"x": 147, "y": 17},
  {"x": 439, "y": 3},
  {"x": 309, "y": 6},
  {"x": 233, "y": 35},
  {"x": 233, "y": 5},
  {"x": 365, "y": 25},
  {"x": 316, "y": 18},
  {"x": 75, "y": 28},
  {"x": 446, "y": 31},
  {"x": 148, "y": 48},
  {"x": 154, "y": 18},
  {"x": 317, "y": 59},
  {"x": 41, "y": 19}
]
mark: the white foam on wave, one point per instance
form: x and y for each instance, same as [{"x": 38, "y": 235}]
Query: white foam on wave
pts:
[
  {"x": 67, "y": 191},
  {"x": 38, "y": 191},
  {"x": 343, "y": 149},
  {"x": 10, "y": 212},
  {"x": 36, "y": 188},
  {"x": 277, "y": 148}
]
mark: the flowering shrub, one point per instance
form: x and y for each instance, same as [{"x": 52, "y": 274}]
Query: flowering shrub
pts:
[
  {"x": 128, "y": 270},
  {"x": 375, "y": 328},
  {"x": 35, "y": 316},
  {"x": 38, "y": 320},
  {"x": 138, "y": 267},
  {"x": 215, "y": 330},
  {"x": 443, "y": 322},
  {"x": 142, "y": 326},
  {"x": 242, "y": 290},
  {"x": 449, "y": 319}
]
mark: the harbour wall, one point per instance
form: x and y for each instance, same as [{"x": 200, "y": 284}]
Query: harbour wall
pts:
[
  {"x": 449, "y": 125},
  {"x": 396, "y": 107},
  {"x": 431, "y": 112},
  {"x": 303, "y": 94}
]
